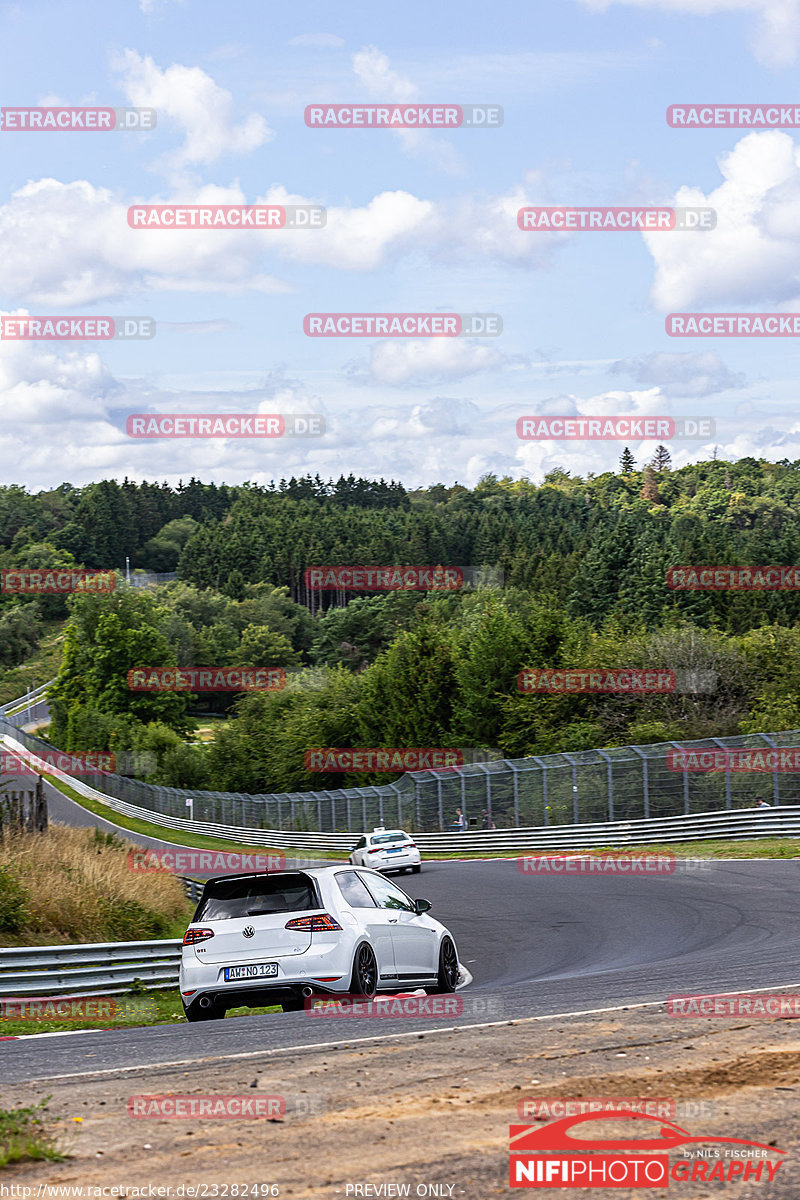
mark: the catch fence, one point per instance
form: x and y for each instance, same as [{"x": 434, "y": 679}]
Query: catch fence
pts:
[{"x": 623, "y": 783}]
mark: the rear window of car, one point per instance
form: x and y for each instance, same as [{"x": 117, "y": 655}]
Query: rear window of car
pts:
[
  {"x": 382, "y": 838},
  {"x": 271, "y": 894},
  {"x": 354, "y": 890}
]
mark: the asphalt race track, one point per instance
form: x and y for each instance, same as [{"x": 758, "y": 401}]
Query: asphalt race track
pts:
[{"x": 535, "y": 945}]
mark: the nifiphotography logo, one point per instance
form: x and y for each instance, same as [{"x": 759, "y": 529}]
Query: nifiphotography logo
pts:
[{"x": 552, "y": 1156}]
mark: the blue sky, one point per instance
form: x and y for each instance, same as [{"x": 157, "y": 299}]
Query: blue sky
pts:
[{"x": 418, "y": 222}]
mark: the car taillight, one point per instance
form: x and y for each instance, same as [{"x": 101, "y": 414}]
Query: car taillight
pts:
[
  {"x": 197, "y": 935},
  {"x": 319, "y": 923},
  {"x": 411, "y": 845},
  {"x": 377, "y": 850}
]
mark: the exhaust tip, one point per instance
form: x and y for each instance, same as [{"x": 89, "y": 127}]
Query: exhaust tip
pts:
[
  {"x": 307, "y": 991},
  {"x": 205, "y": 1002}
]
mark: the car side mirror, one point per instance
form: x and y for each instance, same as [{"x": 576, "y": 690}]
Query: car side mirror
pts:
[{"x": 421, "y": 906}]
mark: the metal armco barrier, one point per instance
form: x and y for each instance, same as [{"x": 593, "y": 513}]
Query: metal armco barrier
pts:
[{"x": 95, "y": 969}]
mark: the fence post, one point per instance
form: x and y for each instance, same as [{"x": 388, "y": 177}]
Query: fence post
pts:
[
  {"x": 607, "y": 757},
  {"x": 677, "y": 746},
  {"x": 776, "y": 795},
  {"x": 515, "y": 787},
  {"x": 727, "y": 772},
  {"x": 439, "y": 798},
  {"x": 645, "y": 780},
  {"x": 396, "y": 791},
  {"x": 574, "y": 766},
  {"x": 543, "y": 767}
]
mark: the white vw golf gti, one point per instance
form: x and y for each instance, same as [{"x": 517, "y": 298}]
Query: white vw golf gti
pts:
[{"x": 277, "y": 938}]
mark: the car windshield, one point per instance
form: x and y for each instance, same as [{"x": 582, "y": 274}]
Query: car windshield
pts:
[
  {"x": 268, "y": 894},
  {"x": 381, "y": 838}
]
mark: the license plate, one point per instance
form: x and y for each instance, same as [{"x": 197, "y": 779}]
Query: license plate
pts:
[
  {"x": 251, "y": 971},
  {"x": 398, "y": 851}
]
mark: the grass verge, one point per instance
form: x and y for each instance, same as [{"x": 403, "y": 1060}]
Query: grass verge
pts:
[
  {"x": 105, "y": 1012},
  {"x": 68, "y": 885},
  {"x": 767, "y": 847},
  {"x": 23, "y": 1136}
]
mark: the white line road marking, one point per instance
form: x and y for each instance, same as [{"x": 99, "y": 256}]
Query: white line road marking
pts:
[{"x": 388, "y": 1037}]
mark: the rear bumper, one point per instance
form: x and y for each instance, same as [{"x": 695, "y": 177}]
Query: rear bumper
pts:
[
  {"x": 258, "y": 995},
  {"x": 295, "y": 971},
  {"x": 397, "y": 862}
]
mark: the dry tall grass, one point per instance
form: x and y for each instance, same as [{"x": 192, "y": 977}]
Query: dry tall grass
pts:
[{"x": 76, "y": 885}]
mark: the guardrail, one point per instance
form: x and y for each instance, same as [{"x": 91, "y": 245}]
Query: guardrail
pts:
[
  {"x": 93, "y": 969},
  {"x": 29, "y": 700}
]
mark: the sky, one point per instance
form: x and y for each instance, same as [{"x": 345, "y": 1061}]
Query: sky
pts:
[{"x": 417, "y": 221}]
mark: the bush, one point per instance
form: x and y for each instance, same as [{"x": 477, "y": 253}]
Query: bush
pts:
[
  {"x": 78, "y": 885},
  {"x": 14, "y": 902}
]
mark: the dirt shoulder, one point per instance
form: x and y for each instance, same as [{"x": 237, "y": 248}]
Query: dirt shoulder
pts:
[{"x": 431, "y": 1110}]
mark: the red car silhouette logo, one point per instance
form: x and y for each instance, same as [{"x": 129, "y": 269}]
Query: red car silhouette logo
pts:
[{"x": 556, "y": 1136}]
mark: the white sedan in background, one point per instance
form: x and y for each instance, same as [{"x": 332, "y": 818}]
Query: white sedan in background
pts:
[{"x": 387, "y": 850}]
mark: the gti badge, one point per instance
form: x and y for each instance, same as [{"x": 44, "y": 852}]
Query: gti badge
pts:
[{"x": 248, "y": 931}]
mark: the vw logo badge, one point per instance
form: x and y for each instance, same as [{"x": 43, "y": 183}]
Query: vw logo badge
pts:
[{"x": 248, "y": 931}]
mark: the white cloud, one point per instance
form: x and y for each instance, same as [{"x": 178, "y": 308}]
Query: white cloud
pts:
[
  {"x": 753, "y": 255},
  {"x": 202, "y": 109},
  {"x": 317, "y": 41},
  {"x": 374, "y": 73},
  {"x": 426, "y": 361},
  {"x": 681, "y": 375},
  {"x": 361, "y": 239},
  {"x": 776, "y": 36},
  {"x": 70, "y": 244}
]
